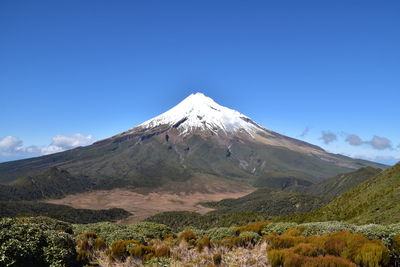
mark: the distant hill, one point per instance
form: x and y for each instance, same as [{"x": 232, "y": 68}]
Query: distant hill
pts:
[
  {"x": 376, "y": 200},
  {"x": 272, "y": 202},
  {"x": 267, "y": 201},
  {"x": 335, "y": 186},
  {"x": 53, "y": 183},
  {"x": 60, "y": 212}
]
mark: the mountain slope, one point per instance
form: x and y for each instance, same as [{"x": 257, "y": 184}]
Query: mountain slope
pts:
[
  {"x": 298, "y": 199},
  {"x": 49, "y": 184},
  {"x": 375, "y": 201},
  {"x": 268, "y": 202},
  {"x": 335, "y": 186},
  {"x": 196, "y": 138}
]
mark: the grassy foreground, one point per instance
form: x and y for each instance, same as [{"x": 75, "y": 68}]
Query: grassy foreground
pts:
[{"x": 41, "y": 241}]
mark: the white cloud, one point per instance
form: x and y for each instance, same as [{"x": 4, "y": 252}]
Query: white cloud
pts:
[
  {"x": 63, "y": 142},
  {"x": 75, "y": 140},
  {"x": 13, "y": 146},
  {"x": 10, "y": 145}
]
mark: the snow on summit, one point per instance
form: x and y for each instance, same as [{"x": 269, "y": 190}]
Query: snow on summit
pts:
[{"x": 198, "y": 111}]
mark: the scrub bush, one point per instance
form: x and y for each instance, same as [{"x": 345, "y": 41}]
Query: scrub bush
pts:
[{"x": 36, "y": 242}]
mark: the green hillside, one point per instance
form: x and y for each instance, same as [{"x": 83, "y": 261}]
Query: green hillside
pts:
[
  {"x": 271, "y": 202},
  {"x": 267, "y": 201},
  {"x": 374, "y": 201},
  {"x": 60, "y": 212},
  {"x": 335, "y": 186},
  {"x": 53, "y": 183}
]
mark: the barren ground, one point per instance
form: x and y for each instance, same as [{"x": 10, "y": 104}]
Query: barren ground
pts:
[{"x": 143, "y": 203}]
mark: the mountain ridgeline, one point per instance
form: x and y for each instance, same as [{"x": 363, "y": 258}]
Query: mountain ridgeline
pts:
[
  {"x": 194, "y": 139},
  {"x": 272, "y": 202},
  {"x": 376, "y": 200}
]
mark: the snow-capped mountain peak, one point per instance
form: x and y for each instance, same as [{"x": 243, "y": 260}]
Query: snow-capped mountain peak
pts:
[{"x": 198, "y": 111}]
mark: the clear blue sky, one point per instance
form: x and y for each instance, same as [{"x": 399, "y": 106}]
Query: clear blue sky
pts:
[{"x": 100, "y": 67}]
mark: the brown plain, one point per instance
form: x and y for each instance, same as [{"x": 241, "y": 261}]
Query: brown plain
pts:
[{"x": 174, "y": 196}]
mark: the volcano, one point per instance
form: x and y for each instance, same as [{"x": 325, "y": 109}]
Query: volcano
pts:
[{"x": 196, "y": 145}]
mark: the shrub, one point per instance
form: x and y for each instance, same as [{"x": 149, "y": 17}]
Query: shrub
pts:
[
  {"x": 143, "y": 252},
  {"x": 86, "y": 245},
  {"x": 35, "y": 242},
  {"x": 293, "y": 260},
  {"x": 375, "y": 231},
  {"x": 202, "y": 243},
  {"x": 163, "y": 252},
  {"x": 284, "y": 241},
  {"x": 327, "y": 261},
  {"x": 307, "y": 249},
  {"x": 244, "y": 240},
  {"x": 255, "y": 227},
  {"x": 334, "y": 246},
  {"x": 219, "y": 233},
  {"x": 250, "y": 237},
  {"x": 217, "y": 259},
  {"x": 150, "y": 230},
  {"x": 372, "y": 254},
  {"x": 99, "y": 244},
  {"x": 333, "y": 249},
  {"x": 276, "y": 257},
  {"x": 187, "y": 236},
  {"x": 395, "y": 246},
  {"x": 277, "y": 228},
  {"x": 293, "y": 232},
  {"x": 48, "y": 223},
  {"x": 60, "y": 249},
  {"x": 119, "y": 250},
  {"x": 320, "y": 228}
]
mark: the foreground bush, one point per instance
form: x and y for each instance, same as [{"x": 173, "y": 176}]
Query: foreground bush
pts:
[
  {"x": 339, "y": 248},
  {"x": 36, "y": 242},
  {"x": 255, "y": 227},
  {"x": 218, "y": 233},
  {"x": 386, "y": 233},
  {"x": 150, "y": 230}
]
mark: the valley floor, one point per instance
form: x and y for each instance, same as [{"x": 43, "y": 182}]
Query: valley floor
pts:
[{"x": 143, "y": 205}]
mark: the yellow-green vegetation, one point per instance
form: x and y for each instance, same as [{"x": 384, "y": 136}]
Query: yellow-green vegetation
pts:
[
  {"x": 311, "y": 244},
  {"x": 255, "y": 227},
  {"x": 180, "y": 220},
  {"x": 335, "y": 186},
  {"x": 375, "y": 201},
  {"x": 87, "y": 245},
  {"x": 342, "y": 248},
  {"x": 188, "y": 237},
  {"x": 203, "y": 242},
  {"x": 41, "y": 241},
  {"x": 268, "y": 202},
  {"x": 280, "y": 244}
]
